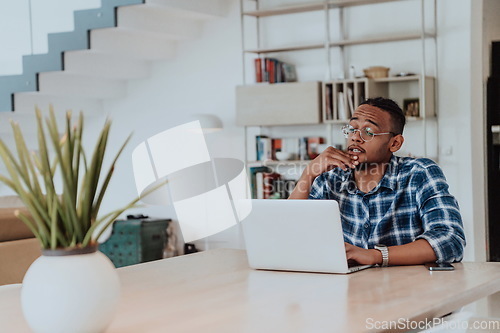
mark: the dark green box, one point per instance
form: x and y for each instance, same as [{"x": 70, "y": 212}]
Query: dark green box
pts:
[{"x": 134, "y": 241}]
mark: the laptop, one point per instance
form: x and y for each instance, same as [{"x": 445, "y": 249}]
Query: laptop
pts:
[{"x": 296, "y": 235}]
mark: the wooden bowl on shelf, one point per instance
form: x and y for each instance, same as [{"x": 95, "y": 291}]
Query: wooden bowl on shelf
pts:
[{"x": 376, "y": 72}]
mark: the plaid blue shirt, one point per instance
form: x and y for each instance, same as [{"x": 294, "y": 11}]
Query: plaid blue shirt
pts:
[{"x": 410, "y": 202}]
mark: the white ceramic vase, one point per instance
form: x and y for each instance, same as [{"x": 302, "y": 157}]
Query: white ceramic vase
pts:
[{"x": 70, "y": 291}]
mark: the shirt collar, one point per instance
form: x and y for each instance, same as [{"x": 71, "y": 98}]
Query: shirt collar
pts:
[{"x": 388, "y": 181}]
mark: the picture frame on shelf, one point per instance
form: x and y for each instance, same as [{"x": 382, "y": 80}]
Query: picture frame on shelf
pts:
[{"x": 411, "y": 107}]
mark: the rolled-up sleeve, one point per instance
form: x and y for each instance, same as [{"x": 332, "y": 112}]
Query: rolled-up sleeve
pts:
[{"x": 440, "y": 214}]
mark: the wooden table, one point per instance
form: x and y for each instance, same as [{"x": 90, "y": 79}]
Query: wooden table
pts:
[{"x": 215, "y": 291}]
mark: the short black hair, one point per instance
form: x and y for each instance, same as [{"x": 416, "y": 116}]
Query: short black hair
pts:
[{"x": 388, "y": 105}]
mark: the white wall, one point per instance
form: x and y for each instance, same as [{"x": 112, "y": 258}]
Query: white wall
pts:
[
  {"x": 478, "y": 134},
  {"x": 24, "y": 28},
  {"x": 201, "y": 79},
  {"x": 454, "y": 45}
]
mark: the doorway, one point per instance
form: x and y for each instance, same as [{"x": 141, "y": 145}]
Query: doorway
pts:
[{"x": 493, "y": 152}]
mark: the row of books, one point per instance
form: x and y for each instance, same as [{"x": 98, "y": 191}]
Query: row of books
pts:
[
  {"x": 345, "y": 104},
  {"x": 266, "y": 184},
  {"x": 304, "y": 148},
  {"x": 274, "y": 71}
]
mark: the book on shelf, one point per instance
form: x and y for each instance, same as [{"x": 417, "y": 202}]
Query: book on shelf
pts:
[
  {"x": 278, "y": 72},
  {"x": 328, "y": 102},
  {"x": 265, "y": 72},
  {"x": 259, "y": 185},
  {"x": 263, "y": 147},
  {"x": 274, "y": 71},
  {"x": 270, "y": 65},
  {"x": 303, "y": 149},
  {"x": 266, "y": 185},
  {"x": 350, "y": 102},
  {"x": 289, "y": 72},
  {"x": 253, "y": 172},
  {"x": 275, "y": 186},
  {"x": 341, "y": 107},
  {"x": 270, "y": 183},
  {"x": 258, "y": 70}
]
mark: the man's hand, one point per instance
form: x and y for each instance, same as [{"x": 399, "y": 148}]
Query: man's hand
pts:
[
  {"x": 363, "y": 256},
  {"x": 329, "y": 159}
]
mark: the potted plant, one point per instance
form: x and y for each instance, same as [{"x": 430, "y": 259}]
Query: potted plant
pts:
[{"x": 72, "y": 287}]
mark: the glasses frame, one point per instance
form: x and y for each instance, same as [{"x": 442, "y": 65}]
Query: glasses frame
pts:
[{"x": 345, "y": 129}]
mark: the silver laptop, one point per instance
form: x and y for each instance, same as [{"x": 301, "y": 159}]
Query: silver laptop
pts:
[{"x": 296, "y": 235}]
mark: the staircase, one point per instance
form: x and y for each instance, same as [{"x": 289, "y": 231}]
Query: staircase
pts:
[{"x": 109, "y": 46}]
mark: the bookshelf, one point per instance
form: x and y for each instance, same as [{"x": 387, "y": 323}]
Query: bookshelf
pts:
[
  {"x": 341, "y": 96},
  {"x": 265, "y": 108}
]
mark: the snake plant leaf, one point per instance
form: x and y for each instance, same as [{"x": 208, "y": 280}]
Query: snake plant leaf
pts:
[{"x": 61, "y": 188}]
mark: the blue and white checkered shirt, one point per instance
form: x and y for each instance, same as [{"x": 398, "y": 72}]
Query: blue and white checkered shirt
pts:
[{"x": 410, "y": 202}]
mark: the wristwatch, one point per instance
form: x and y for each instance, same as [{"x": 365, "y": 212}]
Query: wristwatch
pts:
[{"x": 385, "y": 254}]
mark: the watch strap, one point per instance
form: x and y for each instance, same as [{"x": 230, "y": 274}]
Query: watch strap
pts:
[{"x": 385, "y": 254}]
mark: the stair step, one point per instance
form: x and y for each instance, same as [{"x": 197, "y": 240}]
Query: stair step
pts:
[
  {"x": 12, "y": 84},
  {"x": 158, "y": 20},
  {"x": 205, "y": 9},
  {"x": 132, "y": 44},
  {"x": 61, "y": 83},
  {"x": 94, "y": 18},
  {"x": 105, "y": 65},
  {"x": 41, "y": 63},
  {"x": 67, "y": 41},
  {"x": 25, "y": 103}
]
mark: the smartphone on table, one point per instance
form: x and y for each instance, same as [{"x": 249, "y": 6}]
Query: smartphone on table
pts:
[{"x": 443, "y": 266}]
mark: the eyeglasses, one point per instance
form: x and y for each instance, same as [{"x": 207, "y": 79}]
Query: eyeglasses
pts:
[{"x": 366, "y": 133}]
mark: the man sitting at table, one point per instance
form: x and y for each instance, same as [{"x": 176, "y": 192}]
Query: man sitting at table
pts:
[{"x": 395, "y": 210}]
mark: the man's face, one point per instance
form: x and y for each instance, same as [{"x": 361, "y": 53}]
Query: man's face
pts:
[{"x": 378, "y": 150}]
